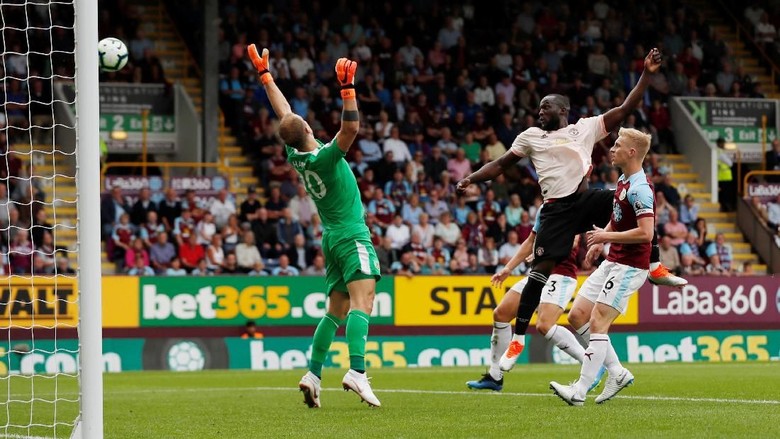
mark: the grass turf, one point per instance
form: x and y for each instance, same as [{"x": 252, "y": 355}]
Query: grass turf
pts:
[{"x": 667, "y": 400}]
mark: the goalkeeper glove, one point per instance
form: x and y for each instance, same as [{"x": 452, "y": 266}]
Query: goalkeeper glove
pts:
[
  {"x": 261, "y": 63},
  {"x": 345, "y": 72}
]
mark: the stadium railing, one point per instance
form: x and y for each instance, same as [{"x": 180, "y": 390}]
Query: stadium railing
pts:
[{"x": 761, "y": 237}]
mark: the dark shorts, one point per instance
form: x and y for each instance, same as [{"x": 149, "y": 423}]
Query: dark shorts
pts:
[{"x": 564, "y": 218}]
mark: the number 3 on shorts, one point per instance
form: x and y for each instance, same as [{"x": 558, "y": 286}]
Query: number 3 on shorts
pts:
[{"x": 608, "y": 285}]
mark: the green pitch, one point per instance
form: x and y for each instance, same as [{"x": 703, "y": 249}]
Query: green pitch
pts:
[{"x": 668, "y": 400}]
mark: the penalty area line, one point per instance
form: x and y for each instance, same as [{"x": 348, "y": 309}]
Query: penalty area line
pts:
[{"x": 528, "y": 394}]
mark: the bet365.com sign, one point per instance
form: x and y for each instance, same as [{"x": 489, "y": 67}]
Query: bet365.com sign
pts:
[{"x": 231, "y": 301}]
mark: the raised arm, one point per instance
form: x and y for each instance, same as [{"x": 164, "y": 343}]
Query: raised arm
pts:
[
  {"x": 350, "y": 117},
  {"x": 490, "y": 171},
  {"x": 614, "y": 117},
  {"x": 278, "y": 101}
]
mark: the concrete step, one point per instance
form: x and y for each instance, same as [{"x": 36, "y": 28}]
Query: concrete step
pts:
[
  {"x": 232, "y": 150},
  {"x": 674, "y": 158},
  {"x": 684, "y": 177},
  {"x": 760, "y": 269},
  {"x": 722, "y": 227},
  {"x": 720, "y": 217},
  {"x": 732, "y": 237},
  {"x": 741, "y": 258},
  {"x": 740, "y": 247}
]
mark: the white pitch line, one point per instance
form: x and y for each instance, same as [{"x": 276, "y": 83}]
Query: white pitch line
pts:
[
  {"x": 110, "y": 393},
  {"x": 475, "y": 392}
]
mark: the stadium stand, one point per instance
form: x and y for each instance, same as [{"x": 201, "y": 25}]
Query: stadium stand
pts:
[{"x": 434, "y": 108}]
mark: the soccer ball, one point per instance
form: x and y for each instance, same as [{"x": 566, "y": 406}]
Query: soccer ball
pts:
[
  {"x": 185, "y": 356},
  {"x": 112, "y": 54}
]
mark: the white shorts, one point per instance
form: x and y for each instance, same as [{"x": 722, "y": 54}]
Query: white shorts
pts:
[
  {"x": 558, "y": 290},
  {"x": 613, "y": 284}
]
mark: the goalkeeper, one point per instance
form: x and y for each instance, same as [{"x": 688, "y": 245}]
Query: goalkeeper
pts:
[{"x": 351, "y": 265}]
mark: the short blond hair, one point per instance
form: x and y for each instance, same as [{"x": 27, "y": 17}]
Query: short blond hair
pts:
[{"x": 636, "y": 139}]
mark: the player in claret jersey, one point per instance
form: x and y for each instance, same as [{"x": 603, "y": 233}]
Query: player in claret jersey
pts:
[
  {"x": 604, "y": 295},
  {"x": 557, "y": 294},
  {"x": 351, "y": 265}
]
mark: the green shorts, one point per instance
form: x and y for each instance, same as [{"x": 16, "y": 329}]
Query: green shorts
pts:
[{"x": 348, "y": 259}]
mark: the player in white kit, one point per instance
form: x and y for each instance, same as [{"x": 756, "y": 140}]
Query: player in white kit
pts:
[{"x": 561, "y": 155}]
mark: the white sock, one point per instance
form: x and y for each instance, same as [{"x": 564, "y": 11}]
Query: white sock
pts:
[
  {"x": 611, "y": 361},
  {"x": 592, "y": 361},
  {"x": 566, "y": 342},
  {"x": 583, "y": 335},
  {"x": 498, "y": 344}
]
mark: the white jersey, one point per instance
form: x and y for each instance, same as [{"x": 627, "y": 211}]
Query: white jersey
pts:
[{"x": 561, "y": 157}]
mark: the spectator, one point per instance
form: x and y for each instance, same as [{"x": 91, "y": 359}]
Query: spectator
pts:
[
  {"x": 284, "y": 268},
  {"x": 201, "y": 269},
  {"x": 471, "y": 147},
  {"x": 184, "y": 226},
  {"x": 137, "y": 249},
  {"x": 691, "y": 259},
  {"x": 206, "y": 229},
  {"x": 675, "y": 230},
  {"x": 249, "y": 207},
  {"x": 412, "y": 210},
  {"x": 275, "y": 205},
  {"x": 286, "y": 230},
  {"x": 726, "y": 188},
  {"x": 473, "y": 266},
  {"x": 221, "y": 208},
  {"x": 662, "y": 210},
  {"x": 435, "y": 164},
  {"x": 63, "y": 266},
  {"x": 142, "y": 207},
  {"x": 314, "y": 231},
  {"x": 140, "y": 268},
  {"x": 494, "y": 147},
  {"x": 215, "y": 255},
  {"x": 176, "y": 269},
  {"x": 459, "y": 167},
  {"x": 446, "y": 143},
  {"x": 461, "y": 211},
  {"x": 231, "y": 233},
  {"x": 488, "y": 209},
  {"x": 417, "y": 249},
  {"x": 317, "y": 267},
  {"x": 397, "y": 147},
  {"x": 773, "y": 214},
  {"x": 405, "y": 266},
  {"x": 149, "y": 230},
  {"x": 161, "y": 253},
  {"x": 247, "y": 255},
  {"x": 669, "y": 255},
  {"x": 773, "y": 161},
  {"x": 385, "y": 255},
  {"x": 720, "y": 256},
  {"x": 439, "y": 253},
  {"x": 398, "y": 232},
  {"x": 191, "y": 252},
  {"x": 111, "y": 209},
  {"x": 473, "y": 232},
  {"x": 689, "y": 211},
  {"x": 169, "y": 209},
  {"x": 382, "y": 208},
  {"x": 435, "y": 207},
  {"x": 425, "y": 230},
  {"x": 525, "y": 227},
  {"x": 265, "y": 234},
  {"x": 499, "y": 230},
  {"x": 398, "y": 189},
  {"x": 509, "y": 248},
  {"x": 514, "y": 210},
  {"x": 447, "y": 230},
  {"x": 250, "y": 331},
  {"x": 488, "y": 255},
  {"x": 299, "y": 254}
]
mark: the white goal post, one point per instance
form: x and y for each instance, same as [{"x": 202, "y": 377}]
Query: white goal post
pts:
[{"x": 90, "y": 424}]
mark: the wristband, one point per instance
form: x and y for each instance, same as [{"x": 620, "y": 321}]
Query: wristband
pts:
[
  {"x": 348, "y": 91},
  {"x": 265, "y": 77}
]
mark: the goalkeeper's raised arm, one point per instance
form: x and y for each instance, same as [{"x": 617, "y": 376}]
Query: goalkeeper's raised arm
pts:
[
  {"x": 350, "y": 117},
  {"x": 278, "y": 101}
]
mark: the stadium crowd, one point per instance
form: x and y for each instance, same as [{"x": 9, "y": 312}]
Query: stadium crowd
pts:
[{"x": 442, "y": 90}]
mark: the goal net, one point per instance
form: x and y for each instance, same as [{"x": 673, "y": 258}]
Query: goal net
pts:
[{"x": 40, "y": 164}]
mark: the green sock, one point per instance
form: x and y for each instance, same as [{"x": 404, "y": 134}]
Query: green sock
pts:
[
  {"x": 357, "y": 332},
  {"x": 323, "y": 337}
]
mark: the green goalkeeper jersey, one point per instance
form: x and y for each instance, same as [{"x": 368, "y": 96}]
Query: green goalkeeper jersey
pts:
[{"x": 329, "y": 180}]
